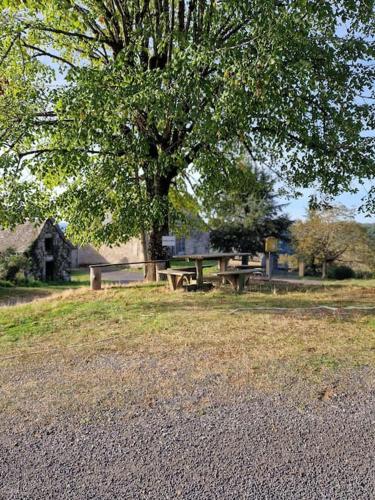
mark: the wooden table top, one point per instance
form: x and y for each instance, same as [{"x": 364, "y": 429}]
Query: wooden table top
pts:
[{"x": 211, "y": 256}]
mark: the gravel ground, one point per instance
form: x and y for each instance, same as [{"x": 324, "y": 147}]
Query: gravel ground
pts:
[{"x": 255, "y": 446}]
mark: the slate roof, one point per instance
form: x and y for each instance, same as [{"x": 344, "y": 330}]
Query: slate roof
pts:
[{"x": 23, "y": 236}]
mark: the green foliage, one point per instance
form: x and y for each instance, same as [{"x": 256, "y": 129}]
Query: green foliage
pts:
[
  {"x": 328, "y": 235},
  {"x": 22, "y": 281},
  {"x": 6, "y": 284},
  {"x": 245, "y": 212},
  {"x": 370, "y": 228},
  {"x": 364, "y": 275},
  {"x": 341, "y": 273},
  {"x": 152, "y": 91},
  {"x": 12, "y": 264}
]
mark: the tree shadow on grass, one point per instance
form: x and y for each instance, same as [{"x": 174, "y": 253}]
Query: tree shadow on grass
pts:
[{"x": 263, "y": 300}]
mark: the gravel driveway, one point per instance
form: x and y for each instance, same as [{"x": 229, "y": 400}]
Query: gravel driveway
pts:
[{"x": 256, "y": 446}]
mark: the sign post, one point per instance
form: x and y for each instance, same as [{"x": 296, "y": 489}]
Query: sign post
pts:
[{"x": 271, "y": 246}]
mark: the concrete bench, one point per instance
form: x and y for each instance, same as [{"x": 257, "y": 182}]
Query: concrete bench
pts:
[
  {"x": 236, "y": 277},
  {"x": 176, "y": 277},
  {"x": 255, "y": 271},
  {"x": 191, "y": 270}
]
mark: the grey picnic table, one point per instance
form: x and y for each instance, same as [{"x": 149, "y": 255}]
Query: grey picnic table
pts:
[{"x": 221, "y": 258}]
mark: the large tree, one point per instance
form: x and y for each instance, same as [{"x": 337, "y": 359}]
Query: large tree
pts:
[{"x": 107, "y": 104}]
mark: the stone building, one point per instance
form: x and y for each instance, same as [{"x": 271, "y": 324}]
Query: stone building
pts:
[
  {"x": 196, "y": 242},
  {"x": 50, "y": 252}
]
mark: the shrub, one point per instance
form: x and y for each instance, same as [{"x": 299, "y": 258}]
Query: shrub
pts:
[
  {"x": 28, "y": 282},
  {"x": 364, "y": 275},
  {"x": 5, "y": 284},
  {"x": 341, "y": 273},
  {"x": 13, "y": 263}
]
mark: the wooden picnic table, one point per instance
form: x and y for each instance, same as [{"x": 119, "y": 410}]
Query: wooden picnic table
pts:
[{"x": 222, "y": 258}]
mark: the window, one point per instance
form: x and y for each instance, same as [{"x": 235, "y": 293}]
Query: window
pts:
[{"x": 48, "y": 245}]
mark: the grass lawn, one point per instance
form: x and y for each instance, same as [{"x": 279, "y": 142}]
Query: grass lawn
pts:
[
  {"x": 18, "y": 294},
  {"x": 146, "y": 342},
  {"x": 363, "y": 283}
]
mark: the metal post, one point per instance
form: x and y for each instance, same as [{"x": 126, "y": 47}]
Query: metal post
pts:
[{"x": 269, "y": 265}]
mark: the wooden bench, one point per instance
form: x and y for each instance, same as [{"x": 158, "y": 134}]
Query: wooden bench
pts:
[
  {"x": 236, "y": 277},
  {"x": 176, "y": 277}
]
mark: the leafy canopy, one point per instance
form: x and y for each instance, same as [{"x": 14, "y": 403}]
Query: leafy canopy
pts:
[
  {"x": 105, "y": 106},
  {"x": 246, "y": 212},
  {"x": 326, "y": 235}
]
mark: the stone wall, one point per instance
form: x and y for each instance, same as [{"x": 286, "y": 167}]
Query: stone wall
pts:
[
  {"x": 127, "y": 252},
  {"x": 53, "y": 262},
  {"x": 197, "y": 242}
]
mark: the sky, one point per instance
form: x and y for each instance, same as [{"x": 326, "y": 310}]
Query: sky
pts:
[{"x": 297, "y": 207}]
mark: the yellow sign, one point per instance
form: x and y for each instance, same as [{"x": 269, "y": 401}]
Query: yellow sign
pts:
[{"x": 271, "y": 244}]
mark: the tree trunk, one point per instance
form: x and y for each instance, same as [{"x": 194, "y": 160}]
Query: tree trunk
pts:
[
  {"x": 155, "y": 247},
  {"x": 324, "y": 270},
  {"x": 144, "y": 245},
  {"x": 156, "y": 250},
  {"x": 158, "y": 182},
  {"x": 144, "y": 251},
  {"x": 301, "y": 268},
  {"x": 158, "y": 191}
]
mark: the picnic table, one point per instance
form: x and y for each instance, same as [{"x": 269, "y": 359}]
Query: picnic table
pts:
[{"x": 221, "y": 258}]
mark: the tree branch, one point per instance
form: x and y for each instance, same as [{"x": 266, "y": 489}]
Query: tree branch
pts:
[
  {"x": 72, "y": 34},
  {"x": 42, "y": 52},
  {"x": 38, "y": 152},
  {"x": 13, "y": 41}
]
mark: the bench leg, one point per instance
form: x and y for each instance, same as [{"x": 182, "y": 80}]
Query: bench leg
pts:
[
  {"x": 179, "y": 281},
  {"x": 223, "y": 266},
  {"x": 241, "y": 283},
  {"x": 237, "y": 282},
  {"x": 172, "y": 282},
  {"x": 199, "y": 270},
  {"x": 232, "y": 281}
]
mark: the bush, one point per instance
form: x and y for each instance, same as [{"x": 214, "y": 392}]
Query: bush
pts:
[
  {"x": 5, "y": 284},
  {"x": 364, "y": 275},
  {"x": 28, "y": 282},
  {"x": 341, "y": 273},
  {"x": 12, "y": 264}
]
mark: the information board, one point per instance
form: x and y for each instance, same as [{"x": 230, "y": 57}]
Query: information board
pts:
[
  {"x": 271, "y": 244},
  {"x": 168, "y": 241}
]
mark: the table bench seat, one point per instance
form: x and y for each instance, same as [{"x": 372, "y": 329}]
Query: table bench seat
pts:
[
  {"x": 255, "y": 271},
  {"x": 236, "y": 277},
  {"x": 191, "y": 269},
  {"x": 176, "y": 277}
]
